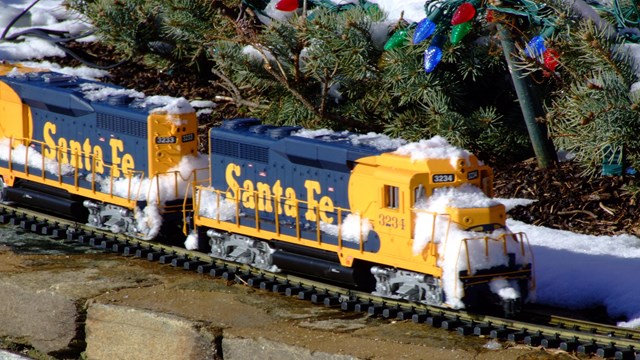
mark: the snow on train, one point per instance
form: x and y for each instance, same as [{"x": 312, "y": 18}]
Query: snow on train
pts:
[{"x": 402, "y": 220}]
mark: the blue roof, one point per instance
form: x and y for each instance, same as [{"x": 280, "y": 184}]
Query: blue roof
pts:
[
  {"x": 334, "y": 151},
  {"x": 56, "y": 90}
]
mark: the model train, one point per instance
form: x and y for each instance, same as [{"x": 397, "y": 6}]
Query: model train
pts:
[
  {"x": 403, "y": 220},
  {"x": 94, "y": 152}
]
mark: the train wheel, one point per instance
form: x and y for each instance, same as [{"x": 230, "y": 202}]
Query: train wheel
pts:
[
  {"x": 110, "y": 217},
  {"x": 241, "y": 249},
  {"x": 263, "y": 258},
  {"x": 412, "y": 286}
]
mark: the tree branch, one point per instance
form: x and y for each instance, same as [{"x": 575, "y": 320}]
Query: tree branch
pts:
[{"x": 236, "y": 95}]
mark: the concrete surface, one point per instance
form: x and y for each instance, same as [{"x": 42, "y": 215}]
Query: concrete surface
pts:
[
  {"x": 161, "y": 335},
  {"x": 61, "y": 301}
]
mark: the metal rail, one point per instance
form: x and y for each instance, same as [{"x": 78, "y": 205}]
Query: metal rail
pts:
[{"x": 546, "y": 330}]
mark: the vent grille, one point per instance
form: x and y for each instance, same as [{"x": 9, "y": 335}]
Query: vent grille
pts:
[
  {"x": 120, "y": 125},
  {"x": 240, "y": 150}
]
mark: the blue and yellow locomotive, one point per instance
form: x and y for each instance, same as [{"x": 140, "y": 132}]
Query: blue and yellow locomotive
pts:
[
  {"x": 93, "y": 152},
  {"x": 413, "y": 221}
]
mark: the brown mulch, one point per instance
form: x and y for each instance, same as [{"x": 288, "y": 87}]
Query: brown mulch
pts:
[
  {"x": 564, "y": 200},
  {"x": 604, "y": 205}
]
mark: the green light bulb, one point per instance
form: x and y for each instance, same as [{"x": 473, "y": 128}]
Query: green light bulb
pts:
[
  {"x": 396, "y": 40},
  {"x": 460, "y": 31}
]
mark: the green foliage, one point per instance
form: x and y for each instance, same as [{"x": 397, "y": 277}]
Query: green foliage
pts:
[
  {"x": 159, "y": 32},
  {"x": 328, "y": 72},
  {"x": 594, "y": 108}
]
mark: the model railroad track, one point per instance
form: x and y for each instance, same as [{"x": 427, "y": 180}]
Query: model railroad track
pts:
[{"x": 545, "y": 330}]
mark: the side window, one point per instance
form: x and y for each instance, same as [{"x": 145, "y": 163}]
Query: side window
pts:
[
  {"x": 391, "y": 197},
  {"x": 419, "y": 194}
]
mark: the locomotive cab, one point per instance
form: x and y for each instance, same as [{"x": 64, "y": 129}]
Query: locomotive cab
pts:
[{"x": 436, "y": 221}]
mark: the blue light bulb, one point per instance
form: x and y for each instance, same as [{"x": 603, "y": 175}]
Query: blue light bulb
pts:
[
  {"x": 535, "y": 47},
  {"x": 424, "y": 29},
  {"x": 432, "y": 57}
]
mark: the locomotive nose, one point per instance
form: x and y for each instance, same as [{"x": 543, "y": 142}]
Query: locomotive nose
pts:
[{"x": 479, "y": 219}]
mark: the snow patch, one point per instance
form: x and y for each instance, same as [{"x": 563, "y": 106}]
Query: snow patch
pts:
[
  {"x": 378, "y": 141},
  {"x": 504, "y": 288},
  {"x": 98, "y": 92},
  {"x": 493, "y": 345},
  {"x": 161, "y": 187},
  {"x": 15, "y": 73},
  {"x": 633, "y": 324},
  {"x": 214, "y": 205},
  {"x": 21, "y": 154},
  {"x": 259, "y": 55},
  {"x": 512, "y": 203},
  {"x": 168, "y": 105},
  {"x": 351, "y": 228},
  {"x": 84, "y": 72},
  {"x": 148, "y": 220},
  {"x": 411, "y": 11},
  {"x": 380, "y": 33},
  {"x": 435, "y": 148},
  {"x": 7, "y": 15},
  {"x": 465, "y": 196},
  {"x": 191, "y": 243},
  {"x": 157, "y": 103},
  {"x": 47, "y": 14},
  {"x": 591, "y": 264}
]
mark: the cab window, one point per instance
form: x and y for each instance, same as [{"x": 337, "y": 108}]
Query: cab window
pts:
[{"x": 391, "y": 197}]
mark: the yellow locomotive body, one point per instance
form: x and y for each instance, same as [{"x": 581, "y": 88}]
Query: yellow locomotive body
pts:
[{"x": 381, "y": 232}]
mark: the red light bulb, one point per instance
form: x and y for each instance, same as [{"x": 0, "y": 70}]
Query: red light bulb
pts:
[
  {"x": 550, "y": 57},
  {"x": 490, "y": 16},
  {"x": 464, "y": 13},
  {"x": 287, "y": 5}
]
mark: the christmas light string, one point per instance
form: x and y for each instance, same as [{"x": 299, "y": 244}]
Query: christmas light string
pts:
[
  {"x": 456, "y": 18},
  {"x": 627, "y": 18}
]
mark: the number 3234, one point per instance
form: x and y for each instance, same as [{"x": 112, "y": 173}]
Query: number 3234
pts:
[{"x": 391, "y": 221}]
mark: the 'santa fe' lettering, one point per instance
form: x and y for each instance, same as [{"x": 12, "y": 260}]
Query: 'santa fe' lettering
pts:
[
  {"x": 285, "y": 198},
  {"x": 83, "y": 155}
]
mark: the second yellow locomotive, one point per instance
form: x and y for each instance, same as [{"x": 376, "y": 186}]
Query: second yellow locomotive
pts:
[{"x": 94, "y": 152}]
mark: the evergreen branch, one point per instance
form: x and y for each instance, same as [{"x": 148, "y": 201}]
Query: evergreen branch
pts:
[
  {"x": 235, "y": 92},
  {"x": 226, "y": 11},
  {"x": 324, "y": 96},
  {"x": 283, "y": 81},
  {"x": 252, "y": 38}
]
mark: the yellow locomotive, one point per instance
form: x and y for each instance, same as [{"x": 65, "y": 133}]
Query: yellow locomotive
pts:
[{"x": 413, "y": 221}]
